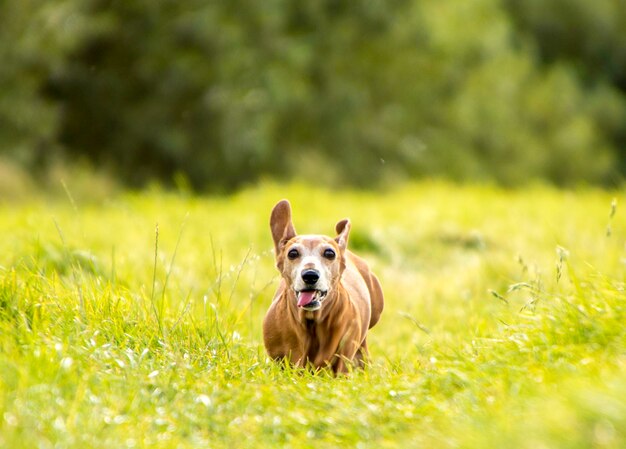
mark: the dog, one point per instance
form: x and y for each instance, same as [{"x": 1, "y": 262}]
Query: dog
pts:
[{"x": 326, "y": 301}]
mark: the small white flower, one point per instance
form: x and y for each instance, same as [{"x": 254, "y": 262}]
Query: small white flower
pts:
[
  {"x": 204, "y": 400},
  {"x": 66, "y": 363}
]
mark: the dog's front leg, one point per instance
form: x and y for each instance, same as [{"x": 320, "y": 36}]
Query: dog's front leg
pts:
[
  {"x": 340, "y": 353},
  {"x": 361, "y": 355},
  {"x": 346, "y": 353}
]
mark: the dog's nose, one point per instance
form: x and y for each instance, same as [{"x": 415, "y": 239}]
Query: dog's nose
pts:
[{"x": 310, "y": 277}]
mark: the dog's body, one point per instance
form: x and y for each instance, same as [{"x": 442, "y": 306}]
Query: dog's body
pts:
[{"x": 327, "y": 299}]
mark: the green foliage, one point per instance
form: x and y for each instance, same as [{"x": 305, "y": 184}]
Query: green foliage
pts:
[
  {"x": 585, "y": 34},
  {"x": 503, "y": 326},
  {"x": 361, "y": 93},
  {"x": 588, "y": 38},
  {"x": 36, "y": 37}
]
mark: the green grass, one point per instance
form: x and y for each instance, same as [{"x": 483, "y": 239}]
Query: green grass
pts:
[{"x": 503, "y": 327}]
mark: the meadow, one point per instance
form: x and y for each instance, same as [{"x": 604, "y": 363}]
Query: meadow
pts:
[{"x": 135, "y": 321}]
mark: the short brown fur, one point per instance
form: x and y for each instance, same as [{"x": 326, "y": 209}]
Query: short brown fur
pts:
[{"x": 334, "y": 336}]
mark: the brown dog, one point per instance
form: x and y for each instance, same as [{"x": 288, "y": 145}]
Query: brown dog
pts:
[{"x": 327, "y": 299}]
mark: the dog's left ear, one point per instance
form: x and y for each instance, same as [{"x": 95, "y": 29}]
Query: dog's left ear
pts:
[
  {"x": 281, "y": 225},
  {"x": 343, "y": 231}
]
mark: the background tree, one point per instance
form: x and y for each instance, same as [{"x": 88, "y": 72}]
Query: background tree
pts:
[{"x": 353, "y": 92}]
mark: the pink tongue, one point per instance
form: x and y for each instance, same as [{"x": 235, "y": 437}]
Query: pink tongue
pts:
[{"x": 305, "y": 297}]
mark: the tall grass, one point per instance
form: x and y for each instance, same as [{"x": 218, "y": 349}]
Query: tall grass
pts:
[{"x": 136, "y": 322}]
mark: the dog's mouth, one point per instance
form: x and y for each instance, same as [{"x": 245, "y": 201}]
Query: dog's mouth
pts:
[{"x": 310, "y": 299}]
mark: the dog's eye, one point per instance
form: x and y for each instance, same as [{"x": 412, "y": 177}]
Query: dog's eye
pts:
[
  {"x": 329, "y": 254},
  {"x": 293, "y": 254}
]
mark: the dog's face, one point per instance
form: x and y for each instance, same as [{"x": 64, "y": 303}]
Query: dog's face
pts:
[{"x": 310, "y": 264}]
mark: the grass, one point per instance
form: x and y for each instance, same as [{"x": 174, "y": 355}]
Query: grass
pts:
[{"x": 504, "y": 322}]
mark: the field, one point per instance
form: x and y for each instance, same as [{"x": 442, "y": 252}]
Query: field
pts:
[{"x": 136, "y": 321}]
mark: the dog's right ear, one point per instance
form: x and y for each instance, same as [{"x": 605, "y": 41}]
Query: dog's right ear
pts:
[{"x": 281, "y": 225}]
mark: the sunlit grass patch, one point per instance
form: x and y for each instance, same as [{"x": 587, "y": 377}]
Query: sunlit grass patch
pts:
[{"x": 503, "y": 324}]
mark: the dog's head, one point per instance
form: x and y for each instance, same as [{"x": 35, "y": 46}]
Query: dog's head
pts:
[{"x": 310, "y": 264}]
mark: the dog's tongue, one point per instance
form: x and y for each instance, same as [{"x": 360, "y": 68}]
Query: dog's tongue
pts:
[{"x": 305, "y": 297}]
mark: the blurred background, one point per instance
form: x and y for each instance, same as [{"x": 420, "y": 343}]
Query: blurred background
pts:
[{"x": 217, "y": 95}]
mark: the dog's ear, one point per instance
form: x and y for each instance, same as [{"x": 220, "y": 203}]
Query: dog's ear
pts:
[
  {"x": 281, "y": 225},
  {"x": 343, "y": 231}
]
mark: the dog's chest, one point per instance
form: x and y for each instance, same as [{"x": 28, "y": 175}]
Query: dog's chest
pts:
[{"x": 312, "y": 341}]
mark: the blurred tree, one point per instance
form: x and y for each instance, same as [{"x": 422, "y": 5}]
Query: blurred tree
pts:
[
  {"x": 226, "y": 92},
  {"x": 590, "y": 38},
  {"x": 487, "y": 110},
  {"x": 351, "y": 92},
  {"x": 35, "y": 38},
  {"x": 591, "y": 35}
]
